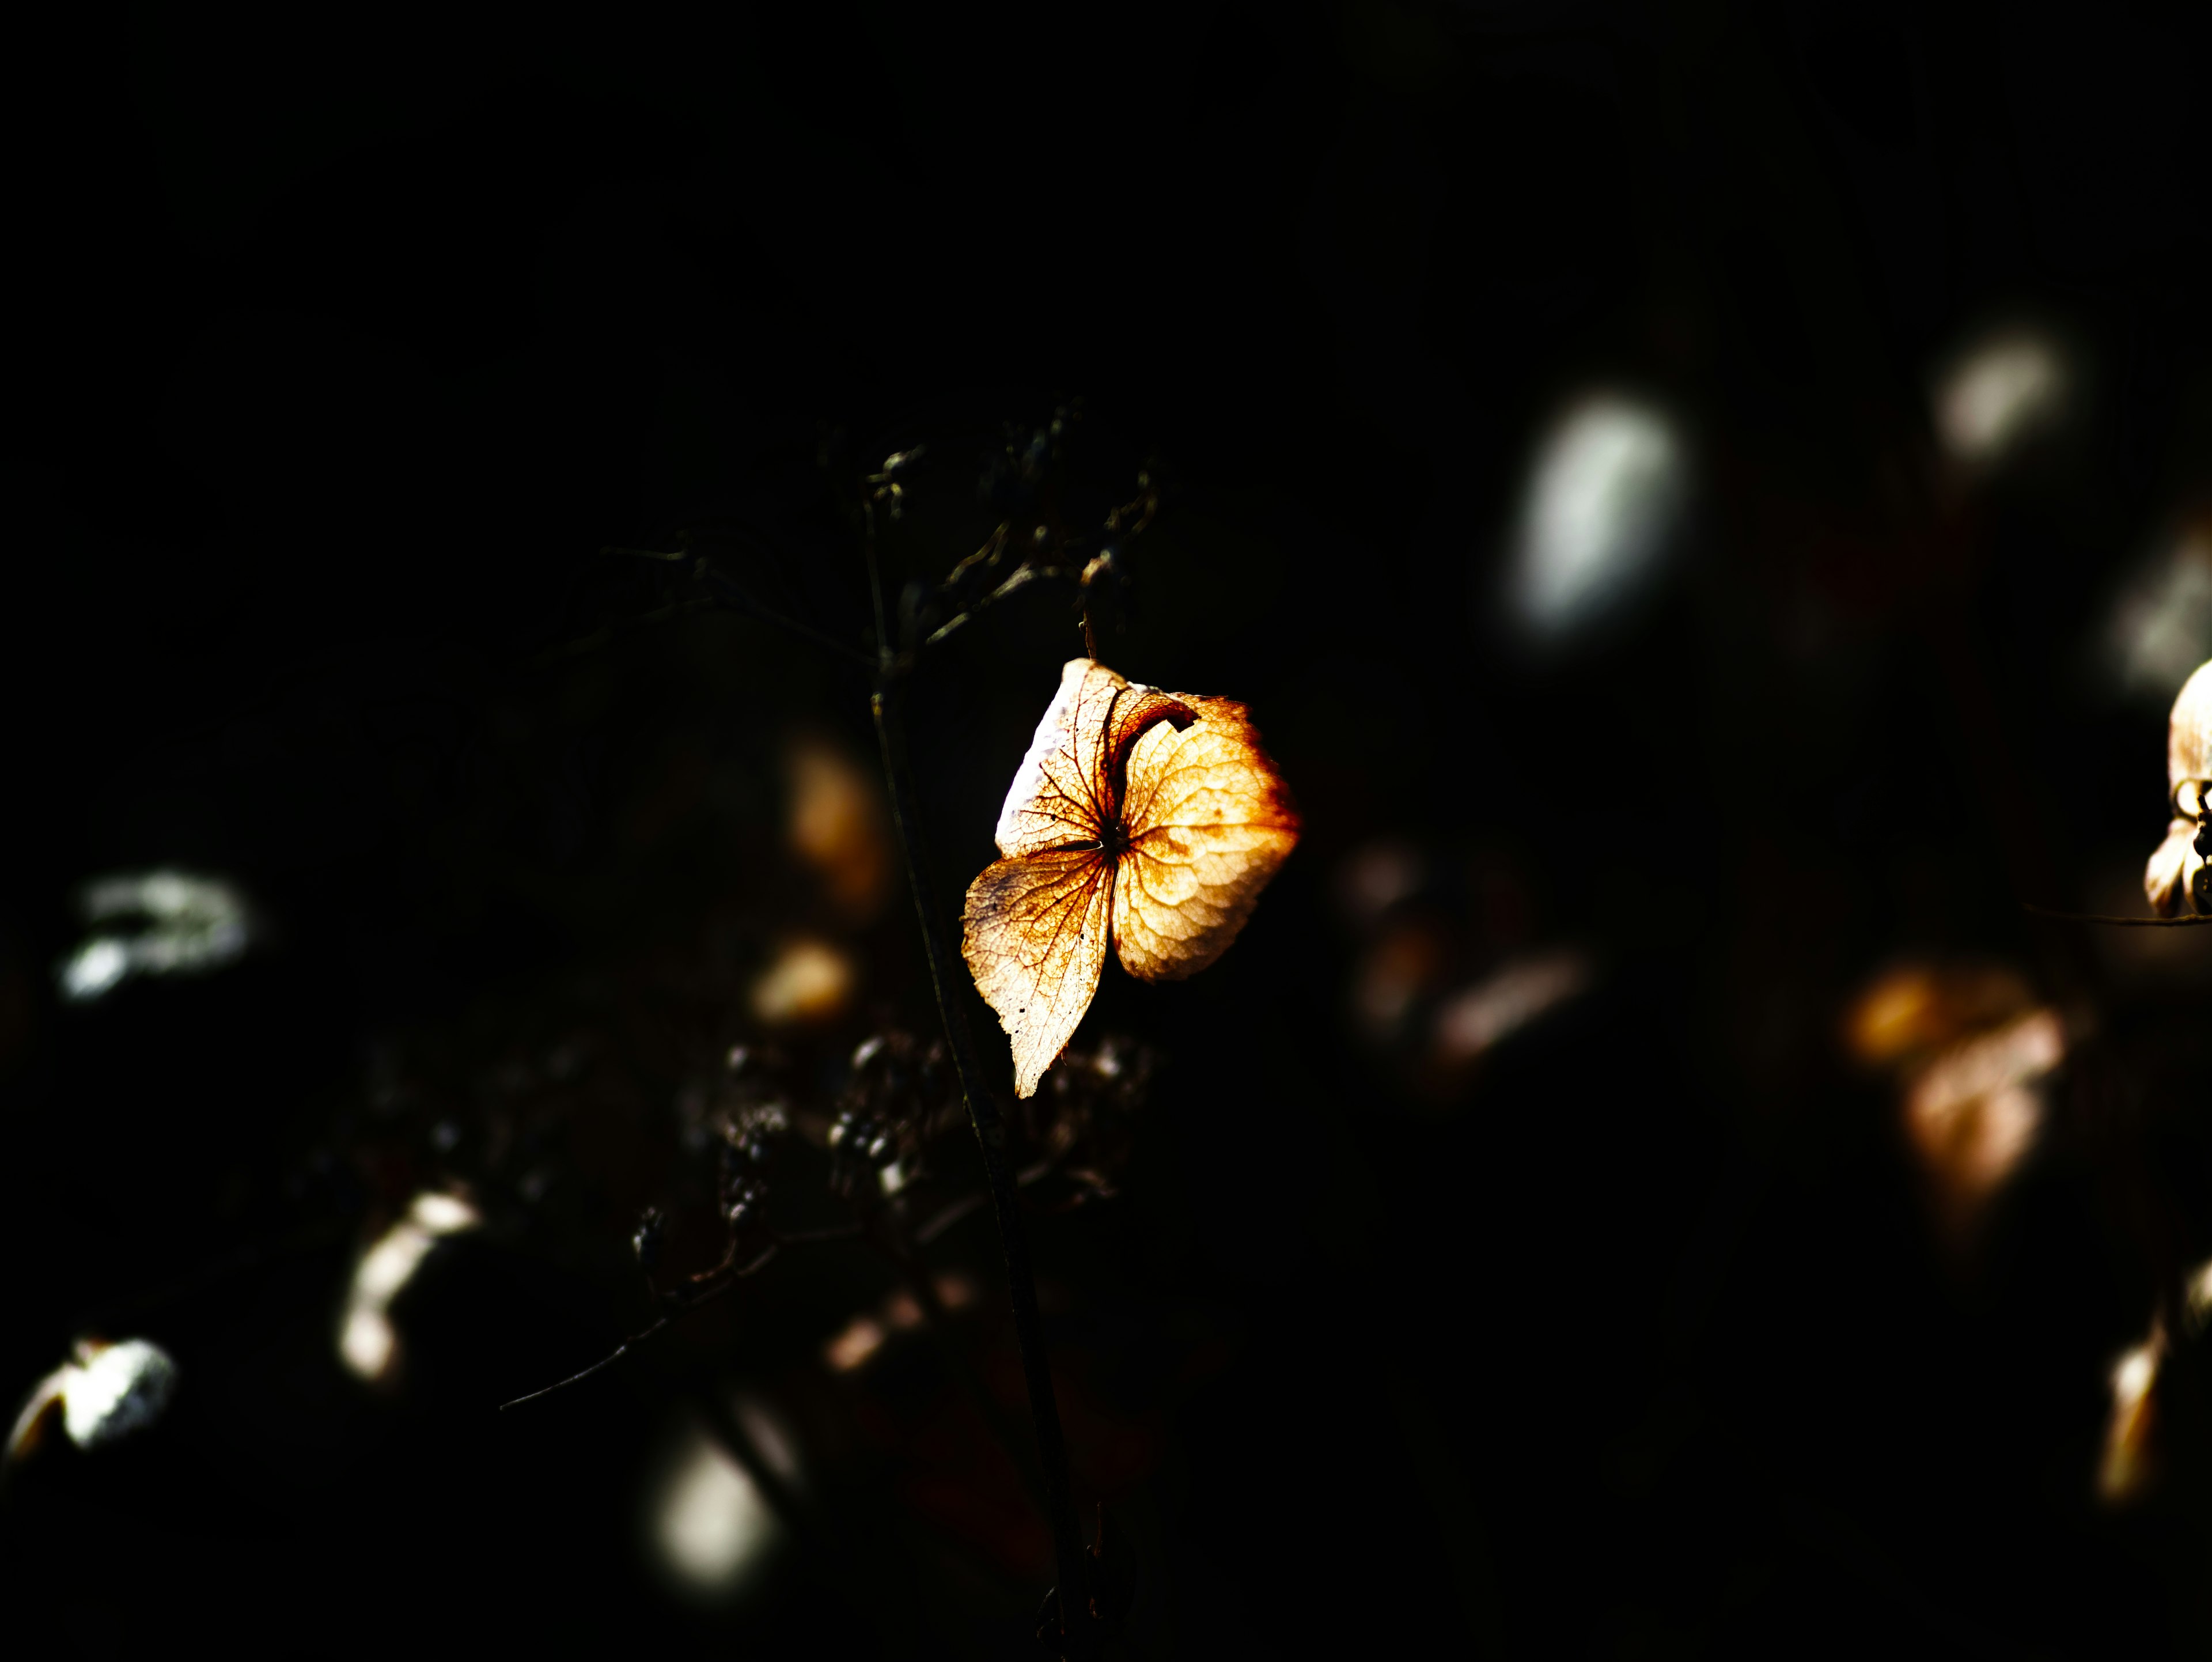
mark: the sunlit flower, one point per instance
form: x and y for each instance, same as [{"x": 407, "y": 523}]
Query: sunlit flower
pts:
[
  {"x": 2178, "y": 878},
  {"x": 1142, "y": 823}
]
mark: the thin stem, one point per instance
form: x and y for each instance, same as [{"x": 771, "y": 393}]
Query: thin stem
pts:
[
  {"x": 914, "y": 1274},
  {"x": 991, "y": 1138},
  {"x": 639, "y": 1338},
  {"x": 933, "y": 1226},
  {"x": 607, "y": 631},
  {"x": 709, "y": 1287},
  {"x": 2182, "y": 922},
  {"x": 883, "y": 649},
  {"x": 728, "y": 593},
  {"x": 742, "y": 599},
  {"x": 994, "y": 546},
  {"x": 1013, "y": 585}
]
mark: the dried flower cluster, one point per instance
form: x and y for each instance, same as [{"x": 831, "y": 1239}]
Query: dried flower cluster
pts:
[{"x": 1141, "y": 822}]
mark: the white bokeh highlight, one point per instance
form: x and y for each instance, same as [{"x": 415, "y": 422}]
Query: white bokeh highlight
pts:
[
  {"x": 1605, "y": 497},
  {"x": 2005, "y": 388},
  {"x": 368, "y": 1344},
  {"x": 709, "y": 1528},
  {"x": 191, "y": 925}
]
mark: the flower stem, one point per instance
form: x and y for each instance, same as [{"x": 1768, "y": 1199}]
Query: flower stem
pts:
[{"x": 944, "y": 973}]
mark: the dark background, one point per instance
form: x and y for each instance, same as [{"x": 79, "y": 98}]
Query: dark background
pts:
[{"x": 353, "y": 338}]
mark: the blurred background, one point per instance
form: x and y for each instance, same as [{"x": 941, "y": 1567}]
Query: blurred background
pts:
[{"x": 1710, "y": 507}]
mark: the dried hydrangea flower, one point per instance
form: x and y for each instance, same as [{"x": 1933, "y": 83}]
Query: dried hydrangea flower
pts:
[
  {"x": 2179, "y": 876},
  {"x": 1140, "y": 821}
]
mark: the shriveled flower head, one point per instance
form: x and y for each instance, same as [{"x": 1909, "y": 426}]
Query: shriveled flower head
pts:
[
  {"x": 1142, "y": 821},
  {"x": 2178, "y": 879}
]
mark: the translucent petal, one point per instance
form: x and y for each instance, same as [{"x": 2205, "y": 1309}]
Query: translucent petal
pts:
[
  {"x": 1035, "y": 939},
  {"x": 1209, "y": 820},
  {"x": 1147, "y": 818}
]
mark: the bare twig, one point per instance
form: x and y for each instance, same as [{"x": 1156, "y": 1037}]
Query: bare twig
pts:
[
  {"x": 1020, "y": 580},
  {"x": 954, "y": 1211},
  {"x": 606, "y": 632},
  {"x": 704, "y": 1290},
  {"x": 993, "y": 548},
  {"x": 726, "y": 593},
  {"x": 1143, "y": 507},
  {"x": 739, "y": 599}
]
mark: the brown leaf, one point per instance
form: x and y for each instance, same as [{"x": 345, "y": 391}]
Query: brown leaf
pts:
[{"x": 1143, "y": 819}]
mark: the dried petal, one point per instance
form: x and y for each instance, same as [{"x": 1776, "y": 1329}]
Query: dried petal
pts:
[
  {"x": 1141, "y": 818},
  {"x": 1068, "y": 787},
  {"x": 1035, "y": 942},
  {"x": 2189, "y": 739},
  {"x": 2174, "y": 879},
  {"x": 1208, "y": 822},
  {"x": 2165, "y": 878}
]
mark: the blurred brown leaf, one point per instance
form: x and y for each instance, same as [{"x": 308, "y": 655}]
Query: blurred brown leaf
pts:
[{"x": 1139, "y": 820}]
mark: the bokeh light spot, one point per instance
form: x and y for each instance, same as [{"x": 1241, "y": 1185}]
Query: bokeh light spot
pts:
[
  {"x": 191, "y": 925},
  {"x": 2005, "y": 388},
  {"x": 837, "y": 825},
  {"x": 711, "y": 1529},
  {"x": 368, "y": 1344},
  {"x": 1606, "y": 495},
  {"x": 808, "y": 981}
]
